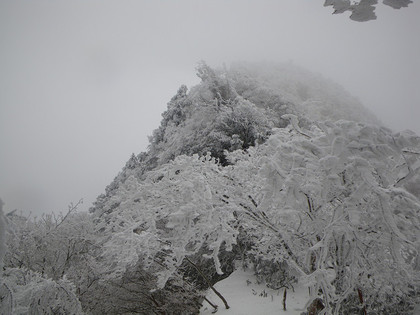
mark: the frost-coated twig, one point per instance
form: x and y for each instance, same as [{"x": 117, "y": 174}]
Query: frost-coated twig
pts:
[
  {"x": 263, "y": 220},
  {"x": 71, "y": 209},
  {"x": 11, "y": 295}
]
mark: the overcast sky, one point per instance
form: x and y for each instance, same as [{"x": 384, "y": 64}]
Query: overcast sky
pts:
[{"x": 83, "y": 83}]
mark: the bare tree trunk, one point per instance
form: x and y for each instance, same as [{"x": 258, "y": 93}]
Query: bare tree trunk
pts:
[
  {"x": 213, "y": 305},
  {"x": 284, "y": 299},
  {"x": 361, "y": 301},
  {"x": 208, "y": 283}
]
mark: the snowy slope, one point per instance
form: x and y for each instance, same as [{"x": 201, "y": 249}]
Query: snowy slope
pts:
[{"x": 246, "y": 297}]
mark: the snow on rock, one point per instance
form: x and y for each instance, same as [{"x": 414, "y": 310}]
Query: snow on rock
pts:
[{"x": 246, "y": 297}]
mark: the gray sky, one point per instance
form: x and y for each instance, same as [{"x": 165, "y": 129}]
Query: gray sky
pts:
[{"x": 83, "y": 83}]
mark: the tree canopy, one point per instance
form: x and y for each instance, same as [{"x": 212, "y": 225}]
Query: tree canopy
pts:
[{"x": 363, "y": 10}]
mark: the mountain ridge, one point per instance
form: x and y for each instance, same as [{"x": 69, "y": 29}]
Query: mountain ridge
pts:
[{"x": 269, "y": 90}]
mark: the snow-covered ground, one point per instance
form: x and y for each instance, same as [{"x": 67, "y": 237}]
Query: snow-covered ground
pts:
[{"x": 246, "y": 297}]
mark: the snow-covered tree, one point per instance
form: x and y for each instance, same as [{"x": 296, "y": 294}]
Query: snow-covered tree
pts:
[
  {"x": 55, "y": 248},
  {"x": 335, "y": 208},
  {"x": 330, "y": 202},
  {"x": 25, "y": 292},
  {"x": 50, "y": 245},
  {"x": 168, "y": 216}
]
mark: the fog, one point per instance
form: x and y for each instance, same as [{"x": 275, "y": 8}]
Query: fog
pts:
[{"x": 83, "y": 83}]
